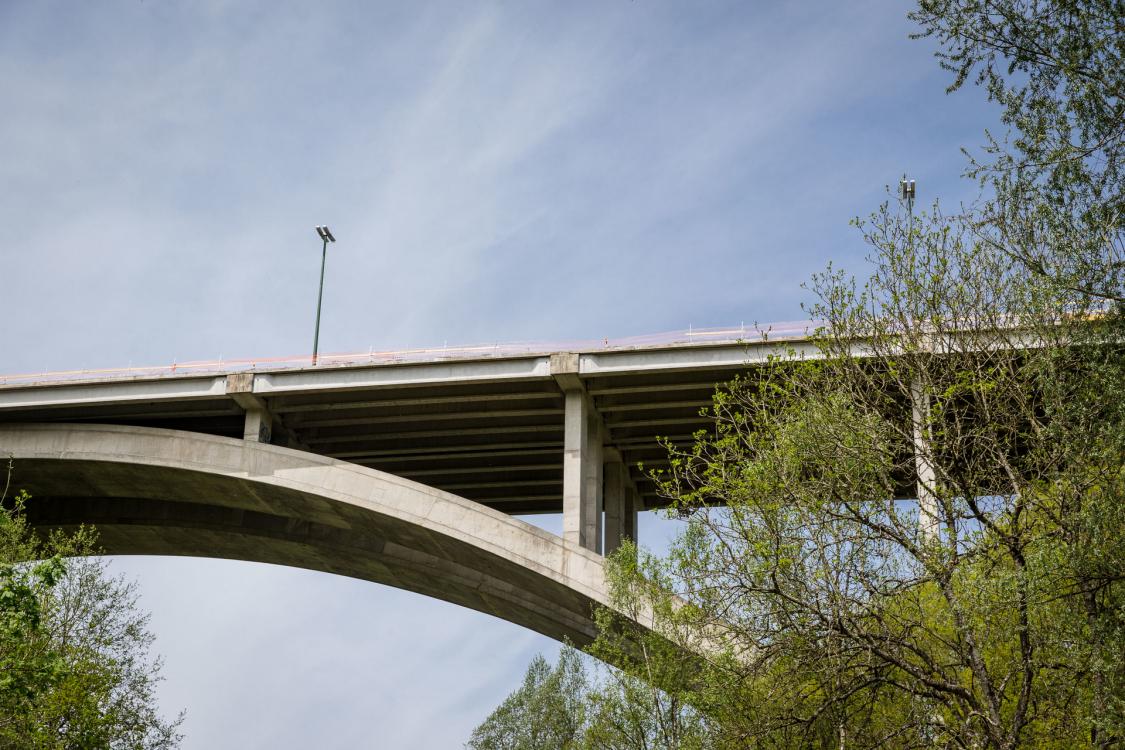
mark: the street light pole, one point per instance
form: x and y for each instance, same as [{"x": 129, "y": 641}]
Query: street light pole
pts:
[{"x": 327, "y": 237}]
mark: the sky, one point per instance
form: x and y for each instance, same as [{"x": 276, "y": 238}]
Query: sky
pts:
[{"x": 502, "y": 171}]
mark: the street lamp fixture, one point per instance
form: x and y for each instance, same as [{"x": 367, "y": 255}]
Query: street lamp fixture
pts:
[{"x": 325, "y": 234}]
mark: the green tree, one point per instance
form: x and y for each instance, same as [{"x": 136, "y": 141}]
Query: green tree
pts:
[
  {"x": 547, "y": 712},
  {"x": 900, "y": 537},
  {"x": 1057, "y": 70},
  {"x": 580, "y": 706},
  {"x": 75, "y": 663},
  {"x": 917, "y": 538}
]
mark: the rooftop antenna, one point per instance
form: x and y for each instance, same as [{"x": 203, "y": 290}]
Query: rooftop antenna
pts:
[{"x": 906, "y": 192}]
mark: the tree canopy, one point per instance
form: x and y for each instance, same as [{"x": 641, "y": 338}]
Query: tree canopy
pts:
[
  {"x": 75, "y": 664},
  {"x": 917, "y": 537}
]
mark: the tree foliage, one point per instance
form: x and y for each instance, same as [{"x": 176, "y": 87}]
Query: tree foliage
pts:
[
  {"x": 75, "y": 663},
  {"x": 547, "y": 711},
  {"x": 580, "y": 706},
  {"x": 916, "y": 538},
  {"x": 1057, "y": 70}
]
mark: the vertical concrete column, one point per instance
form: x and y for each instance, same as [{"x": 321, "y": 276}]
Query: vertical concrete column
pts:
[
  {"x": 615, "y": 505},
  {"x": 256, "y": 428},
  {"x": 928, "y": 524},
  {"x": 576, "y": 455},
  {"x": 629, "y": 521},
  {"x": 592, "y": 504}
]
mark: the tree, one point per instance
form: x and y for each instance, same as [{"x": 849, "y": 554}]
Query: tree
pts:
[
  {"x": 547, "y": 711},
  {"x": 901, "y": 537},
  {"x": 917, "y": 538},
  {"x": 75, "y": 663},
  {"x": 572, "y": 707},
  {"x": 1057, "y": 69}
]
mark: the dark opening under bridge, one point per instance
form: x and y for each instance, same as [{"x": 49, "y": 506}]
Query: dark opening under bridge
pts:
[{"x": 403, "y": 469}]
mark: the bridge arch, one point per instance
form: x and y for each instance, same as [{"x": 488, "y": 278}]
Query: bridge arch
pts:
[{"x": 170, "y": 492}]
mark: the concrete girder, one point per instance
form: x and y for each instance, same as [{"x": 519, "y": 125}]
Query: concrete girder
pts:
[
  {"x": 439, "y": 417},
  {"x": 450, "y": 432},
  {"x": 423, "y": 454},
  {"x": 371, "y": 412},
  {"x": 261, "y": 424},
  {"x": 344, "y": 404},
  {"x": 156, "y": 491}
]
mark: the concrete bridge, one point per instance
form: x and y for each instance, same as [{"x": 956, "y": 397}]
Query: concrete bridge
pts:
[{"x": 400, "y": 470}]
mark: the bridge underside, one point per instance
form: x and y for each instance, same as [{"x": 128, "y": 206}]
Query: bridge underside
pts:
[
  {"x": 490, "y": 431},
  {"x": 154, "y": 491},
  {"x": 576, "y": 433}
]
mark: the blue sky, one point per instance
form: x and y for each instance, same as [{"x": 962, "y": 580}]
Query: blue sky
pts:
[{"x": 494, "y": 171}]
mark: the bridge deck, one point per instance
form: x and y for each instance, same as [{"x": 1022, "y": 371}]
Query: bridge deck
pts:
[{"x": 490, "y": 429}]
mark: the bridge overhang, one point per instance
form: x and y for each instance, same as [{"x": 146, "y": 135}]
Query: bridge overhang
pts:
[{"x": 169, "y": 492}]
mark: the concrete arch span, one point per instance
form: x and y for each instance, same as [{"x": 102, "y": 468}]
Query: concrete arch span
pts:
[{"x": 167, "y": 492}]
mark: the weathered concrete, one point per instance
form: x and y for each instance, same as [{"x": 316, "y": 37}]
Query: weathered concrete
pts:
[
  {"x": 592, "y": 503},
  {"x": 576, "y": 456},
  {"x": 490, "y": 429},
  {"x": 615, "y": 510},
  {"x": 157, "y": 491},
  {"x": 629, "y": 521},
  {"x": 928, "y": 523}
]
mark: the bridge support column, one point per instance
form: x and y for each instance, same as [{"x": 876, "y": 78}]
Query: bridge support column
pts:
[
  {"x": 592, "y": 505},
  {"x": 616, "y": 505},
  {"x": 257, "y": 426},
  {"x": 592, "y": 509},
  {"x": 261, "y": 424},
  {"x": 577, "y": 497},
  {"x": 582, "y": 457},
  {"x": 632, "y": 508},
  {"x": 928, "y": 523}
]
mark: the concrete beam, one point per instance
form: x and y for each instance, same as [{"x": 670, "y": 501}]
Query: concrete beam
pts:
[
  {"x": 439, "y": 451},
  {"x": 466, "y": 455},
  {"x": 155, "y": 491},
  {"x": 695, "y": 357},
  {"x": 470, "y": 470},
  {"x": 64, "y": 394},
  {"x": 261, "y": 424},
  {"x": 258, "y": 427},
  {"x": 343, "y": 403},
  {"x": 564, "y": 369},
  {"x": 442, "y": 417},
  {"x": 315, "y": 439},
  {"x": 348, "y": 378}
]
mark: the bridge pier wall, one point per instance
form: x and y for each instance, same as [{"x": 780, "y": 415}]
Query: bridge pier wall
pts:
[{"x": 928, "y": 522}]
